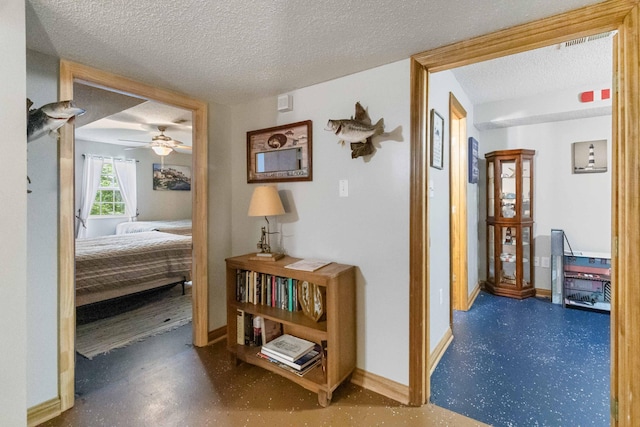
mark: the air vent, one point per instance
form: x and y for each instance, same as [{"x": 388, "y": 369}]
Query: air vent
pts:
[{"x": 582, "y": 40}]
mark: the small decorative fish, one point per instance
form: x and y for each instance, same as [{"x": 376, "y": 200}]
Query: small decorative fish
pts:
[
  {"x": 49, "y": 117},
  {"x": 358, "y": 131}
]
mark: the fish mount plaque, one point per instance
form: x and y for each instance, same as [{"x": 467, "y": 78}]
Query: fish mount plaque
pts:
[{"x": 358, "y": 131}]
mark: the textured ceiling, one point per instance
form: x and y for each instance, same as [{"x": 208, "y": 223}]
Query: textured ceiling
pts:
[
  {"x": 231, "y": 52},
  {"x": 545, "y": 70}
]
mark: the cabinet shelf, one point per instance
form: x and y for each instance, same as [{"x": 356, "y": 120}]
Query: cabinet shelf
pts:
[{"x": 338, "y": 330}]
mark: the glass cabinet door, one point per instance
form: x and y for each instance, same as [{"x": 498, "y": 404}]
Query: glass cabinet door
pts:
[
  {"x": 491, "y": 203},
  {"x": 526, "y": 257},
  {"x": 526, "y": 189},
  {"x": 508, "y": 188},
  {"x": 491, "y": 251},
  {"x": 508, "y": 254}
]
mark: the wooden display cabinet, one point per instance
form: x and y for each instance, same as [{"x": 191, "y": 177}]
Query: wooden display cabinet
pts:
[
  {"x": 510, "y": 245},
  {"x": 338, "y": 329}
]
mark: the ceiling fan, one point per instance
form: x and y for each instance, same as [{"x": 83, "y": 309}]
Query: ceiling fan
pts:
[{"x": 161, "y": 144}]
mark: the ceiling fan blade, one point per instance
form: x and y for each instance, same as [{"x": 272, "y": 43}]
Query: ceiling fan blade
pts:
[
  {"x": 134, "y": 140},
  {"x": 184, "y": 147}
]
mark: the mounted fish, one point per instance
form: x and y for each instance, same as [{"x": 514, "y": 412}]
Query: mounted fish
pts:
[
  {"x": 49, "y": 117},
  {"x": 358, "y": 131}
]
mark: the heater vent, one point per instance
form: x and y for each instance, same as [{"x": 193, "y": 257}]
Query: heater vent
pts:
[{"x": 582, "y": 40}]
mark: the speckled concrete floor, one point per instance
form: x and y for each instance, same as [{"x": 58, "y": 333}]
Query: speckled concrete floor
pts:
[
  {"x": 167, "y": 382},
  {"x": 526, "y": 363}
]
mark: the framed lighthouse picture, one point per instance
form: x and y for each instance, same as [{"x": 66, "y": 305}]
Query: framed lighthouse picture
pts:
[{"x": 589, "y": 156}]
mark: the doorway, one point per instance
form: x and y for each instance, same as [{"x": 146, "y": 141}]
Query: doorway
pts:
[
  {"x": 611, "y": 15},
  {"x": 70, "y": 73},
  {"x": 458, "y": 207}
]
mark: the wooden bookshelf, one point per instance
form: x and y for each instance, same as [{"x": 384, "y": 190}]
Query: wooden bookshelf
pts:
[{"x": 338, "y": 328}]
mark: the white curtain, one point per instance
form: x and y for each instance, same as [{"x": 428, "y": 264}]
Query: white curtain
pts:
[
  {"x": 91, "y": 172},
  {"x": 126, "y": 174}
]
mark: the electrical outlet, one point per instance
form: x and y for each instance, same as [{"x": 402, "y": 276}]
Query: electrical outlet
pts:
[
  {"x": 536, "y": 261},
  {"x": 441, "y": 297},
  {"x": 546, "y": 261}
]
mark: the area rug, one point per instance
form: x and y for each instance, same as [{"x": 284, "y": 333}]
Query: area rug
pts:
[{"x": 163, "y": 313}]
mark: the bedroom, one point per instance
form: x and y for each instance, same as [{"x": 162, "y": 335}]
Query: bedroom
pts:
[
  {"x": 133, "y": 230},
  {"x": 171, "y": 264}
]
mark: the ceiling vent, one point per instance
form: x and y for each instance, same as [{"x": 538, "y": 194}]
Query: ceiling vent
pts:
[{"x": 582, "y": 40}]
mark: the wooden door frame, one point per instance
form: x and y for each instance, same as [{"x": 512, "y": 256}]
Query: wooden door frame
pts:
[
  {"x": 70, "y": 72},
  {"x": 612, "y": 15},
  {"x": 459, "y": 280}
]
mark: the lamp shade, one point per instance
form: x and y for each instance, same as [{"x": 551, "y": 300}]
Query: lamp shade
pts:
[
  {"x": 265, "y": 202},
  {"x": 161, "y": 150}
]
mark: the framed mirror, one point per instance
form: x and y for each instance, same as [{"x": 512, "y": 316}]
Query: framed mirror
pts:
[{"x": 280, "y": 153}]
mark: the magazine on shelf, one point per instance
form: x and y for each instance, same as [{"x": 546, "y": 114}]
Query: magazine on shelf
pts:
[
  {"x": 286, "y": 367},
  {"x": 289, "y": 347},
  {"x": 308, "y": 264},
  {"x": 304, "y": 361}
]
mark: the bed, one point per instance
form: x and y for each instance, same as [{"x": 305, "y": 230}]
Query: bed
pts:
[
  {"x": 182, "y": 226},
  {"x": 112, "y": 266}
]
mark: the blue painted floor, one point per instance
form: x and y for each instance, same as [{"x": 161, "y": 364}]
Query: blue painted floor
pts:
[{"x": 526, "y": 363}]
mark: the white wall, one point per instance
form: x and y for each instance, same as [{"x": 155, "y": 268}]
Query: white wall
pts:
[
  {"x": 221, "y": 151},
  {"x": 580, "y": 204},
  {"x": 440, "y": 86},
  {"x": 13, "y": 226},
  {"x": 152, "y": 204},
  {"x": 42, "y": 231},
  {"x": 369, "y": 228}
]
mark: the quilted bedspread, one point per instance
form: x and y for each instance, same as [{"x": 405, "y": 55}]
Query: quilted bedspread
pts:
[{"x": 111, "y": 266}]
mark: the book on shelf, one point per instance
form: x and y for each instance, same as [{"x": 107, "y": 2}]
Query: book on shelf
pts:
[
  {"x": 308, "y": 264},
  {"x": 270, "y": 330},
  {"x": 288, "y": 347},
  {"x": 248, "y": 329},
  {"x": 301, "y": 363},
  {"x": 266, "y": 289},
  {"x": 286, "y": 367},
  {"x": 240, "y": 326}
]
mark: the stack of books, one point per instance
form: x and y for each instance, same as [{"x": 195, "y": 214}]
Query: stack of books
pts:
[{"x": 292, "y": 353}]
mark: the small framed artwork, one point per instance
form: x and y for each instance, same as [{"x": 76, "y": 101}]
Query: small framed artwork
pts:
[
  {"x": 474, "y": 170},
  {"x": 437, "y": 140},
  {"x": 280, "y": 153},
  {"x": 171, "y": 177},
  {"x": 589, "y": 156}
]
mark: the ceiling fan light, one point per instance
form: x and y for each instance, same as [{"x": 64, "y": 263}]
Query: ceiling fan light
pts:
[{"x": 162, "y": 151}]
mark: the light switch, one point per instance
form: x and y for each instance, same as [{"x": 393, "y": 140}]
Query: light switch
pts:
[{"x": 343, "y": 188}]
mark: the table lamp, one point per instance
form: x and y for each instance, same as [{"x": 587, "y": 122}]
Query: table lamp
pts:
[{"x": 265, "y": 201}]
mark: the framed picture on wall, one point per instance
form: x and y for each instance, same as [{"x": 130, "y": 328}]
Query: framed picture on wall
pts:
[
  {"x": 474, "y": 170},
  {"x": 280, "y": 153},
  {"x": 437, "y": 140},
  {"x": 171, "y": 177},
  {"x": 589, "y": 156}
]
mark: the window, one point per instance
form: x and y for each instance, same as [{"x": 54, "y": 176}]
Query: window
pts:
[{"x": 108, "y": 201}]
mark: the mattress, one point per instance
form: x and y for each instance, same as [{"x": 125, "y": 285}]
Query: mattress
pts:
[{"x": 112, "y": 266}]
